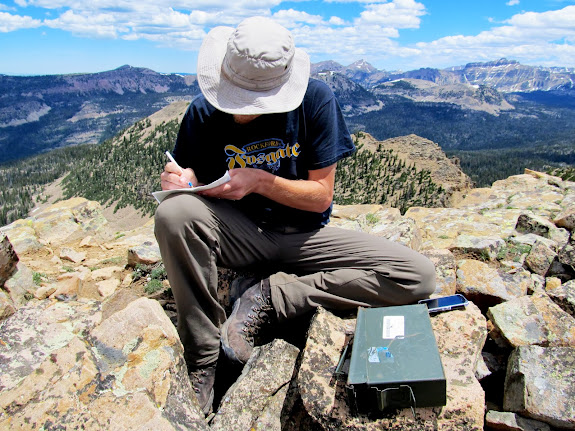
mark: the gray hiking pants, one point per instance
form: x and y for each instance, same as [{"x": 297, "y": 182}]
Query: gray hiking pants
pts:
[{"x": 330, "y": 267}]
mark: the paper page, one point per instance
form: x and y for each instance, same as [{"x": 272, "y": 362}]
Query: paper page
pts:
[{"x": 161, "y": 195}]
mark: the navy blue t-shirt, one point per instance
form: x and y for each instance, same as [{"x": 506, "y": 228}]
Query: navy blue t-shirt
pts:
[{"x": 313, "y": 136}]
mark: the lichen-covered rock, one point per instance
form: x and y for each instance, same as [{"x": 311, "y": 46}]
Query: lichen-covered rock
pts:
[
  {"x": 566, "y": 219},
  {"x": 445, "y": 267},
  {"x": 21, "y": 286},
  {"x": 507, "y": 421},
  {"x": 563, "y": 295},
  {"x": 63, "y": 365},
  {"x": 530, "y": 223},
  {"x": 403, "y": 231},
  {"x": 460, "y": 338},
  {"x": 147, "y": 253},
  {"x": 540, "y": 258},
  {"x": 486, "y": 286},
  {"x": 533, "y": 320},
  {"x": 539, "y": 384},
  {"x": 483, "y": 247},
  {"x": 256, "y": 399}
]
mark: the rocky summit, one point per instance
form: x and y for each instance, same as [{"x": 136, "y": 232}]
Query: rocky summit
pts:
[{"x": 87, "y": 339}]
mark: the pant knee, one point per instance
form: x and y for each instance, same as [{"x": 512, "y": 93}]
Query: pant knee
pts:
[
  {"x": 177, "y": 212},
  {"x": 427, "y": 284}
]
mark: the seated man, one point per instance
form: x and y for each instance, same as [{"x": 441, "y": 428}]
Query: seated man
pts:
[{"x": 280, "y": 135}]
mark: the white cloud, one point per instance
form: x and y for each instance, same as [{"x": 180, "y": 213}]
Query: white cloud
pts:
[
  {"x": 512, "y": 2},
  {"x": 397, "y": 14},
  {"x": 9, "y": 22},
  {"x": 535, "y": 38}
]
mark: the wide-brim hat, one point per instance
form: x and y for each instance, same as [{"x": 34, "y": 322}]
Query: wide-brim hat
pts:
[{"x": 252, "y": 69}]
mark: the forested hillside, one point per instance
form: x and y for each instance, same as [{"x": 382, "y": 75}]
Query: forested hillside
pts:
[
  {"x": 490, "y": 147},
  {"x": 124, "y": 171}
]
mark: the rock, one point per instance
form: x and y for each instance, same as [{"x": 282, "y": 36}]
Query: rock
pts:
[
  {"x": 486, "y": 286},
  {"x": 563, "y": 295},
  {"x": 529, "y": 223},
  {"x": 533, "y": 320},
  {"x": 21, "y": 286},
  {"x": 107, "y": 287},
  {"x": 106, "y": 273},
  {"x": 403, "y": 231},
  {"x": 67, "y": 288},
  {"x": 567, "y": 254},
  {"x": 256, "y": 399},
  {"x": 482, "y": 247},
  {"x": 445, "y": 267},
  {"x": 539, "y": 384},
  {"x": 507, "y": 421},
  {"x": 460, "y": 337},
  {"x": 22, "y": 236},
  {"x": 8, "y": 259},
  {"x": 566, "y": 219},
  {"x": 540, "y": 258},
  {"x": 127, "y": 370},
  {"x": 147, "y": 254},
  {"x": 72, "y": 255},
  {"x": 6, "y": 306}
]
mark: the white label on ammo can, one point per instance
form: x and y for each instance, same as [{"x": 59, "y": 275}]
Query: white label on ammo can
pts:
[{"x": 393, "y": 327}]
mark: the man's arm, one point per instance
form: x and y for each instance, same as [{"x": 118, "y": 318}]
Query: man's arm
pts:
[{"x": 314, "y": 194}]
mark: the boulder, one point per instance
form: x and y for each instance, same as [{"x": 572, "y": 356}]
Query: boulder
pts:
[
  {"x": 566, "y": 219},
  {"x": 147, "y": 253},
  {"x": 563, "y": 295},
  {"x": 77, "y": 371},
  {"x": 507, "y": 421},
  {"x": 487, "y": 286},
  {"x": 539, "y": 384},
  {"x": 540, "y": 258},
  {"x": 256, "y": 399},
  {"x": 533, "y": 320},
  {"x": 445, "y": 267},
  {"x": 483, "y": 247}
]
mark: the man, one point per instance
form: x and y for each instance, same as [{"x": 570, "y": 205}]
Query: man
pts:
[{"x": 280, "y": 135}]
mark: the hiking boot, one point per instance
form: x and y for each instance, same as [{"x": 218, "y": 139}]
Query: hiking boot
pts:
[
  {"x": 252, "y": 311},
  {"x": 239, "y": 286},
  {"x": 202, "y": 380}
]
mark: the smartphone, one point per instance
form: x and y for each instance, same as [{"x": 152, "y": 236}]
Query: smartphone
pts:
[{"x": 445, "y": 303}]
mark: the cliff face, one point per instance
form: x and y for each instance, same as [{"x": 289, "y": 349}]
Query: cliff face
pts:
[{"x": 83, "y": 345}]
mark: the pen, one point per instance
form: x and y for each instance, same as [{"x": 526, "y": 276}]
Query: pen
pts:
[{"x": 179, "y": 167}]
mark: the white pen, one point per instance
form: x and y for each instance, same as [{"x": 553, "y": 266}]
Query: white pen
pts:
[{"x": 179, "y": 167}]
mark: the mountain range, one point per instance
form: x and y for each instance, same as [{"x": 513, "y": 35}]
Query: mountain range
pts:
[{"x": 528, "y": 112}]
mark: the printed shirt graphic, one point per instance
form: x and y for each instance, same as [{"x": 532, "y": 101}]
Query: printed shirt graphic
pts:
[
  {"x": 266, "y": 154},
  {"x": 288, "y": 145}
]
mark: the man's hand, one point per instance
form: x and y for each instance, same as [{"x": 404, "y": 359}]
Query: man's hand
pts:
[
  {"x": 314, "y": 194},
  {"x": 172, "y": 178},
  {"x": 243, "y": 182}
]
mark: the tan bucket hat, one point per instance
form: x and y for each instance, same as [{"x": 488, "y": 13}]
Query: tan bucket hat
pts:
[{"x": 252, "y": 69}]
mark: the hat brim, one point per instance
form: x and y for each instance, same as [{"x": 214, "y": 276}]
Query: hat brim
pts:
[{"x": 228, "y": 97}]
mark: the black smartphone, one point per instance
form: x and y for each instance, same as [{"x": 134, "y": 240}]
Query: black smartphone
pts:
[{"x": 445, "y": 303}]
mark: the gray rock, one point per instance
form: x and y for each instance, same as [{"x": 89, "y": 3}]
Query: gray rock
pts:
[
  {"x": 483, "y": 247},
  {"x": 539, "y": 384},
  {"x": 62, "y": 364},
  {"x": 445, "y": 268},
  {"x": 146, "y": 254},
  {"x": 533, "y": 320},
  {"x": 564, "y": 296},
  {"x": 530, "y": 223},
  {"x": 566, "y": 219},
  {"x": 256, "y": 399},
  {"x": 21, "y": 286},
  {"x": 540, "y": 258},
  {"x": 487, "y": 286},
  {"x": 567, "y": 254},
  {"x": 507, "y": 421}
]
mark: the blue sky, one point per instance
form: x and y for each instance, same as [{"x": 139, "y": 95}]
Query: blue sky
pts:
[{"x": 77, "y": 36}]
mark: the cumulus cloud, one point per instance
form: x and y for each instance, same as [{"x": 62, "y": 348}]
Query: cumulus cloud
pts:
[
  {"x": 542, "y": 38},
  {"x": 373, "y": 33},
  {"x": 9, "y": 22}
]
